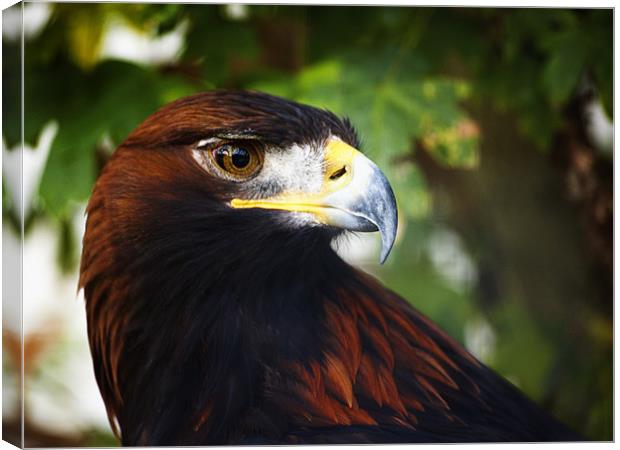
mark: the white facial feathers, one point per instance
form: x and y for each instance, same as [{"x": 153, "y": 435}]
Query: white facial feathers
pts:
[{"x": 294, "y": 170}]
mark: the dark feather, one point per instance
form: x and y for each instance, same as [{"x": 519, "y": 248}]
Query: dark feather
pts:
[{"x": 213, "y": 327}]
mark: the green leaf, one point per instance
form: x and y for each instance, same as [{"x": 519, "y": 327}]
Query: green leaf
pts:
[
  {"x": 84, "y": 31},
  {"x": 566, "y": 64},
  {"x": 110, "y": 101}
]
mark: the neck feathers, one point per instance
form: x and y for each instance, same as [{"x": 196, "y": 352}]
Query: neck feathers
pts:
[{"x": 187, "y": 307}]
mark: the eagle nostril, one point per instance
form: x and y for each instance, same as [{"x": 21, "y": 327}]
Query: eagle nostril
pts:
[{"x": 338, "y": 173}]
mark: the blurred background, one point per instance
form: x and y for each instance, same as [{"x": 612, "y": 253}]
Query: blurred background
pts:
[{"x": 493, "y": 125}]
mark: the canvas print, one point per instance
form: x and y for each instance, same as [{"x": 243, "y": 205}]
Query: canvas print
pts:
[{"x": 229, "y": 224}]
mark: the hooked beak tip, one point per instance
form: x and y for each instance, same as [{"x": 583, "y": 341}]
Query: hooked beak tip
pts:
[
  {"x": 388, "y": 224},
  {"x": 378, "y": 207}
]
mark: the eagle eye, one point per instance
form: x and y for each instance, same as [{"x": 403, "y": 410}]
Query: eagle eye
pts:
[{"x": 239, "y": 161}]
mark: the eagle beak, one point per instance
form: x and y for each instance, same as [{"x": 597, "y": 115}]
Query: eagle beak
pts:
[{"x": 355, "y": 196}]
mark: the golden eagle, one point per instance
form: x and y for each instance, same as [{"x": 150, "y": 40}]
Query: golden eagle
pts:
[{"x": 218, "y": 312}]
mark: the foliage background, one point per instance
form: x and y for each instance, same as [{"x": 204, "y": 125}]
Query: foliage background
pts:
[{"x": 492, "y": 124}]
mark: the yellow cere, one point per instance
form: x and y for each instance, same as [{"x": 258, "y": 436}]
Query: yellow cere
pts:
[{"x": 338, "y": 160}]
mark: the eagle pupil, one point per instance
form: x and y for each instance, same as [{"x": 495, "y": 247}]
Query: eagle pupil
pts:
[{"x": 240, "y": 157}]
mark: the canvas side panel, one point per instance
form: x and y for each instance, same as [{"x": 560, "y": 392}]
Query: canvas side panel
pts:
[{"x": 12, "y": 226}]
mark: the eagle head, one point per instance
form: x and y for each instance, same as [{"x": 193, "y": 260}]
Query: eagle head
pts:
[{"x": 251, "y": 151}]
